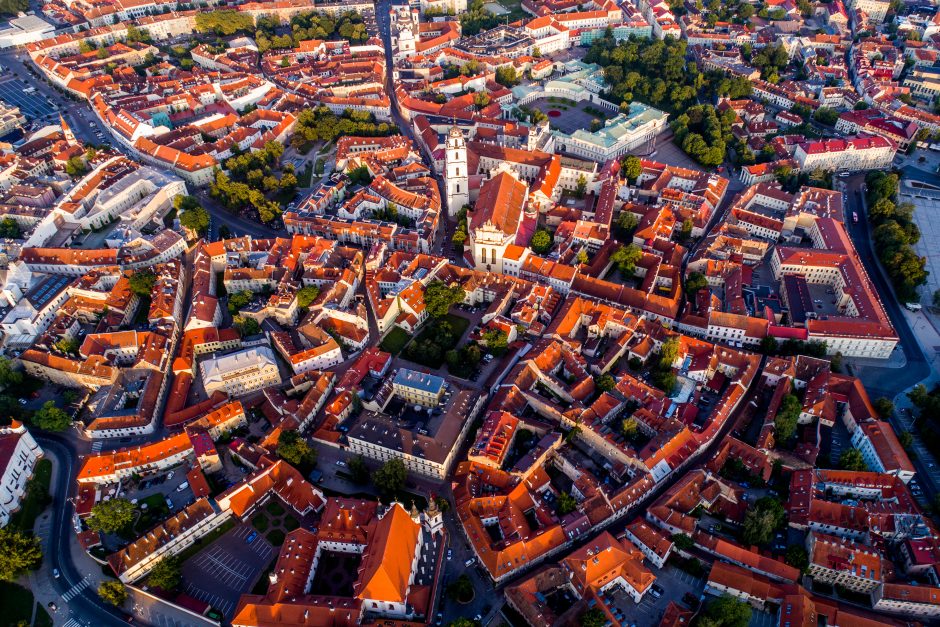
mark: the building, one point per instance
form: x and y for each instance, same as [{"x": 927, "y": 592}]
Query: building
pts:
[
  {"x": 396, "y": 553},
  {"x": 25, "y": 29},
  {"x": 843, "y": 563},
  {"x": 924, "y": 82},
  {"x": 18, "y": 456},
  {"x": 10, "y": 119},
  {"x": 242, "y": 372},
  {"x": 853, "y": 153},
  {"x": 418, "y": 387},
  {"x": 496, "y": 219},
  {"x": 458, "y": 187}
]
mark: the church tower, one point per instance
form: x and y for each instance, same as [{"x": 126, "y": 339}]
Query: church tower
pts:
[
  {"x": 67, "y": 131},
  {"x": 457, "y": 176}
]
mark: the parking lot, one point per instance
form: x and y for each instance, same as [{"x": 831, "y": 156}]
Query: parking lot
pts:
[
  {"x": 34, "y": 106},
  {"x": 673, "y": 582},
  {"x": 228, "y": 568}
]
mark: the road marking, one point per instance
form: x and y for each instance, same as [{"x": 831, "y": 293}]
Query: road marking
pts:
[
  {"x": 96, "y": 446},
  {"x": 75, "y": 590}
]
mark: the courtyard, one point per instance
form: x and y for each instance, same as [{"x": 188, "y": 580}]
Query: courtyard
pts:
[{"x": 569, "y": 116}]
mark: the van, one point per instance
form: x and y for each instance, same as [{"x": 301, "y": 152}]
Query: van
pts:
[
  {"x": 182, "y": 486},
  {"x": 470, "y": 562}
]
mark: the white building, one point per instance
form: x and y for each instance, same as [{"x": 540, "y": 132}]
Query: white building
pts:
[
  {"x": 242, "y": 372},
  {"x": 458, "y": 188},
  {"x": 25, "y": 29},
  {"x": 18, "y": 456},
  {"x": 852, "y": 153}
]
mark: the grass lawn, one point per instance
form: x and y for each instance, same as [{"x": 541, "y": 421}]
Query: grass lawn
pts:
[
  {"x": 17, "y": 603},
  {"x": 291, "y": 523},
  {"x": 260, "y": 522},
  {"x": 395, "y": 341},
  {"x": 42, "y": 617},
  {"x": 274, "y": 508},
  {"x": 303, "y": 179},
  {"x": 276, "y": 537},
  {"x": 37, "y": 497}
]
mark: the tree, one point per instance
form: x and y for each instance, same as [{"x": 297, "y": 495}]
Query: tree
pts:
[
  {"x": 769, "y": 345},
  {"x": 461, "y": 589},
  {"x": 75, "y": 166},
  {"x": 481, "y": 100},
  {"x": 391, "y": 476},
  {"x": 626, "y": 257},
  {"x": 507, "y": 76},
  {"x": 238, "y": 300},
  {"x": 293, "y": 448},
  {"x": 67, "y": 345},
  {"x": 307, "y": 295},
  {"x": 142, "y": 282},
  {"x": 51, "y": 418},
  {"x": 694, "y": 282},
  {"x": 682, "y": 541},
  {"x": 826, "y": 115},
  {"x": 541, "y": 242},
  {"x": 111, "y": 516},
  {"x": 906, "y": 438},
  {"x": 19, "y": 553},
  {"x": 165, "y": 574},
  {"x": 593, "y": 617},
  {"x": 566, "y": 504},
  {"x": 112, "y": 592},
  {"x": 604, "y": 382},
  {"x": 851, "y": 459},
  {"x": 884, "y": 407},
  {"x": 626, "y": 225},
  {"x": 358, "y": 469},
  {"x": 630, "y": 428},
  {"x": 762, "y": 521},
  {"x": 496, "y": 341},
  {"x": 797, "y": 557},
  {"x": 936, "y": 298},
  {"x": 582, "y": 257},
  {"x": 9, "y": 229},
  {"x": 581, "y": 186},
  {"x": 438, "y": 298},
  {"x": 787, "y": 416},
  {"x": 246, "y": 326},
  {"x": 195, "y": 219},
  {"x": 8, "y": 376},
  {"x": 726, "y": 611},
  {"x": 631, "y": 167}
]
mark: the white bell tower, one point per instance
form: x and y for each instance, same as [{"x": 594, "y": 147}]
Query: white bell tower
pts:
[{"x": 458, "y": 190}]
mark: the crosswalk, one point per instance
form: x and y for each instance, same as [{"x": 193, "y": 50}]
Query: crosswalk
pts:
[
  {"x": 75, "y": 590},
  {"x": 96, "y": 446},
  {"x": 74, "y": 623}
]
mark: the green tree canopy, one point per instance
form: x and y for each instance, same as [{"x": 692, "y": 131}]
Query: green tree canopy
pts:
[
  {"x": 726, "y": 611},
  {"x": 292, "y": 447},
  {"x": 626, "y": 257},
  {"x": 787, "y": 416},
  {"x": 111, "y": 516},
  {"x": 18, "y": 553},
  {"x": 391, "y": 476},
  {"x": 541, "y": 241},
  {"x": 761, "y": 521},
  {"x": 307, "y": 295},
  {"x": 113, "y": 592},
  {"x": 438, "y": 298},
  {"x": 851, "y": 459},
  {"x": 142, "y": 282},
  {"x": 165, "y": 574},
  {"x": 51, "y": 418},
  {"x": 631, "y": 168}
]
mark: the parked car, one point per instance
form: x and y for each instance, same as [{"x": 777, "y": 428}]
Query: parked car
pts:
[
  {"x": 251, "y": 537},
  {"x": 55, "y": 573}
]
